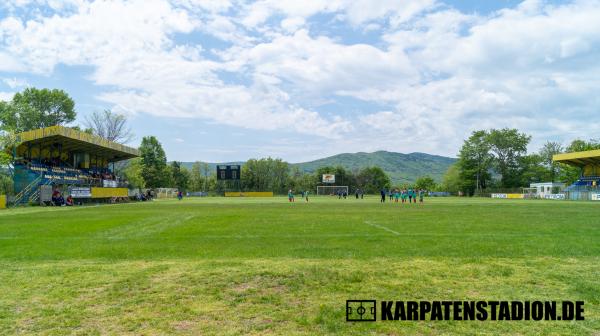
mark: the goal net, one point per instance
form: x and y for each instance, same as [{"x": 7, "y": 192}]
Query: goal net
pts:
[{"x": 331, "y": 190}]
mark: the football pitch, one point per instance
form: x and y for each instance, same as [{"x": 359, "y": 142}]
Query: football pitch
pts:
[{"x": 224, "y": 266}]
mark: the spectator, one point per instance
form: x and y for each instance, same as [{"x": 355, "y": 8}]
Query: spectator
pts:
[
  {"x": 69, "y": 201},
  {"x": 57, "y": 198}
]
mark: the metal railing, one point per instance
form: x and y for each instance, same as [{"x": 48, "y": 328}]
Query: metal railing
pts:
[{"x": 27, "y": 190}]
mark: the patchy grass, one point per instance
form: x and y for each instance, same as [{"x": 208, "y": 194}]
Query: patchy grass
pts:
[{"x": 263, "y": 266}]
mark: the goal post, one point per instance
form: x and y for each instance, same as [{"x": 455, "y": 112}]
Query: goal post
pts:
[{"x": 331, "y": 190}]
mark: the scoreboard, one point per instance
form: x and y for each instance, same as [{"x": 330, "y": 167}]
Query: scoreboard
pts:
[{"x": 228, "y": 172}]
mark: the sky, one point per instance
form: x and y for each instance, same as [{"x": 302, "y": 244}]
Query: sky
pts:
[{"x": 231, "y": 80}]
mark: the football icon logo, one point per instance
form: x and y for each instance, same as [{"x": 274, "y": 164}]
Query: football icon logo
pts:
[{"x": 361, "y": 310}]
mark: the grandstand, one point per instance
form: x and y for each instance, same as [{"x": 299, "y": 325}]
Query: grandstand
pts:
[
  {"x": 586, "y": 187},
  {"x": 63, "y": 160}
]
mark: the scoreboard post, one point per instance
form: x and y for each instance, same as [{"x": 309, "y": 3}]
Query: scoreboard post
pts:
[{"x": 229, "y": 176}]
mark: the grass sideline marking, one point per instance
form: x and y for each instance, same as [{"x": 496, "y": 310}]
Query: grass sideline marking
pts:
[{"x": 383, "y": 228}]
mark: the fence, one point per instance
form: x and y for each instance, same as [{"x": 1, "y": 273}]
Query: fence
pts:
[{"x": 582, "y": 193}]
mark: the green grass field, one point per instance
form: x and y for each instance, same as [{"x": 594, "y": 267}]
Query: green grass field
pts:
[{"x": 221, "y": 266}]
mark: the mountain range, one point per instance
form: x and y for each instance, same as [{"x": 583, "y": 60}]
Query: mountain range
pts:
[{"x": 401, "y": 168}]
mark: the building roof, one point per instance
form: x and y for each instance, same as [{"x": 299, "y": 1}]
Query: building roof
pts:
[
  {"x": 547, "y": 184},
  {"x": 579, "y": 159},
  {"x": 74, "y": 140}
]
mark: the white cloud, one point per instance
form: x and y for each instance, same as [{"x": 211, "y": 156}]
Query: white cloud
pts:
[
  {"x": 356, "y": 12},
  {"x": 6, "y": 96},
  {"x": 432, "y": 73},
  {"x": 321, "y": 65},
  {"x": 15, "y": 83}
]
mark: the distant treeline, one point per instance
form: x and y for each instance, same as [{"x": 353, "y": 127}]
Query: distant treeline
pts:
[
  {"x": 266, "y": 174},
  {"x": 488, "y": 160}
]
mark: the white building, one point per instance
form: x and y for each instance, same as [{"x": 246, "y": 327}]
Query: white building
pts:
[{"x": 547, "y": 188}]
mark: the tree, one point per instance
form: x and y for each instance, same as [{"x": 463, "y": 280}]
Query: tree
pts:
[
  {"x": 133, "y": 173},
  {"x": 7, "y": 142},
  {"x": 533, "y": 169},
  {"x": 265, "y": 175},
  {"x": 425, "y": 183},
  {"x": 451, "y": 181},
  {"x": 154, "y": 163},
  {"x": 180, "y": 176},
  {"x": 508, "y": 146},
  {"x": 196, "y": 178},
  {"x": 546, "y": 153},
  {"x": 301, "y": 181},
  {"x": 582, "y": 145},
  {"x": 374, "y": 179},
  {"x": 34, "y": 108},
  {"x": 109, "y": 125},
  {"x": 474, "y": 162}
]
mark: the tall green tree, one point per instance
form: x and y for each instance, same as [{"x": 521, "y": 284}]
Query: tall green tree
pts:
[
  {"x": 133, "y": 173},
  {"x": 154, "y": 163},
  {"x": 474, "y": 162},
  {"x": 265, "y": 174},
  {"x": 37, "y": 108},
  {"x": 196, "y": 178},
  {"x": 301, "y": 181},
  {"x": 7, "y": 144},
  {"x": 451, "y": 181},
  {"x": 425, "y": 183},
  {"x": 533, "y": 169},
  {"x": 373, "y": 179},
  {"x": 549, "y": 149},
  {"x": 579, "y": 145},
  {"x": 180, "y": 176},
  {"x": 508, "y": 146}
]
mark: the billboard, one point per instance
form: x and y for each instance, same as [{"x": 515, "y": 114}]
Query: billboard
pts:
[
  {"x": 508, "y": 196},
  {"x": 328, "y": 178},
  {"x": 81, "y": 192},
  {"x": 554, "y": 196},
  {"x": 110, "y": 184}
]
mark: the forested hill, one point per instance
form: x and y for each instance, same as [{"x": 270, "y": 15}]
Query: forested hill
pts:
[{"x": 401, "y": 168}]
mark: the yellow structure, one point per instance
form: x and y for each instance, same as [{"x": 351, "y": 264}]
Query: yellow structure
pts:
[
  {"x": 2, "y": 201},
  {"x": 249, "y": 194},
  {"x": 64, "y": 158},
  {"x": 70, "y": 139},
  {"x": 588, "y": 161},
  {"x": 98, "y": 192}
]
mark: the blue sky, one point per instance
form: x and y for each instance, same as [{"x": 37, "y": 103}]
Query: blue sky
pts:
[{"x": 232, "y": 80}]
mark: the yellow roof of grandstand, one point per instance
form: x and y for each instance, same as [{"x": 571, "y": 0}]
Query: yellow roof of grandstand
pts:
[
  {"x": 579, "y": 159},
  {"x": 74, "y": 140}
]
